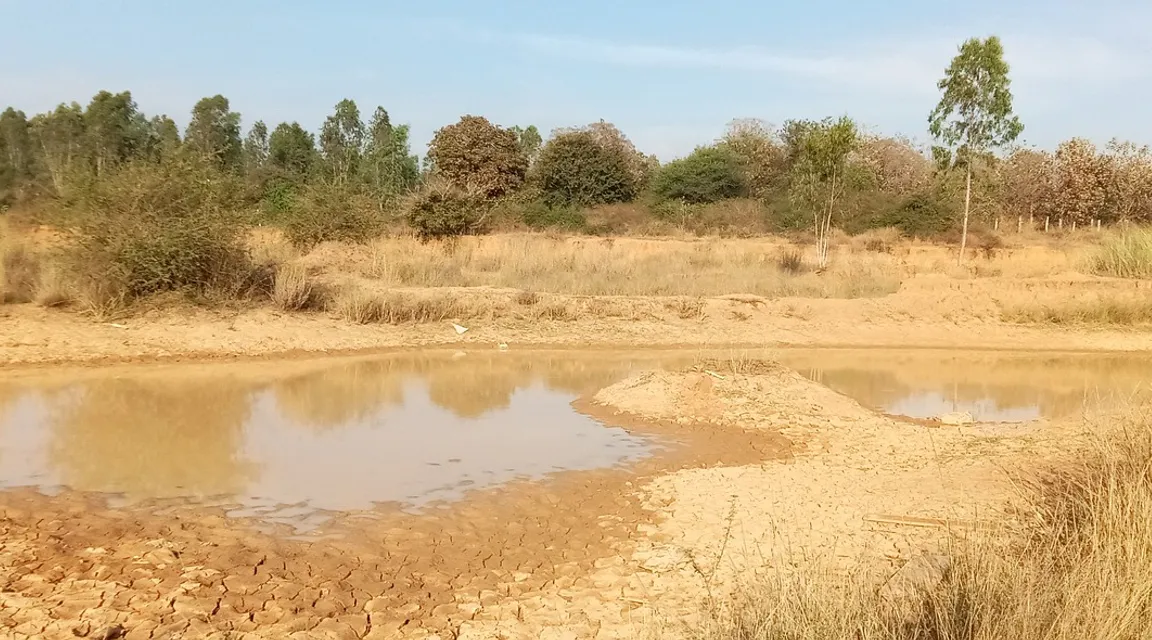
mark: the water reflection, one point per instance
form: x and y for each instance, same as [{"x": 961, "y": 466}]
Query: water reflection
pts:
[
  {"x": 1008, "y": 387},
  {"x": 340, "y": 435}
]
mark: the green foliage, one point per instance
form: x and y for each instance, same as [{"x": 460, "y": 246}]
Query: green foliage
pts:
[
  {"x": 476, "y": 155},
  {"x": 576, "y": 168},
  {"x": 389, "y": 167},
  {"x": 214, "y": 132},
  {"x": 442, "y": 209},
  {"x": 115, "y": 129},
  {"x": 59, "y": 135},
  {"x": 279, "y": 197},
  {"x": 539, "y": 215},
  {"x": 334, "y": 212},
  {"x": 530, "y": 141},
  {"x": 292, "y": 150},
  {"x": 16, "y": 154},
  {"x": 163, "y": 139},
  {"x": 925, "y": 214},
  {"x": 256, "y": 149},
  {"x": 152, "y": 228},
  {"x": 342, "y": 142},
  {"x": 709, "y": 174},
  {"x": 975, "y": 110}
]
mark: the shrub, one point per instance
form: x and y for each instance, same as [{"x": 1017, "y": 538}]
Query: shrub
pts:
[
  {"x": 923, "y": 215},
  {"x": 441, "y": 210},
  {"x": 331, "y": 213},
  {"x": 476, "y": 155},
  {"x": 149, "y": 229},
  {"x": 294, "y": 290},
  {"x": 1126, "y": 255},
  {"x": 19, "y": 273},
  {"x": 575, "y": 168},
  {"x": 709, "y": 174}
]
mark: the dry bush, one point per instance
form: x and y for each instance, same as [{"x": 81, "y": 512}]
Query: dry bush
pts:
[
  {"x": 686, "y": 308},
  {"x": 877, "y": 240},
  {"x": 332, "y": 212},
  {"x": 1080, "y": 570},
  {"x": 791, "y": 261},
  {"x": 53, "y": 289},
  {"x": 1127, "y": 254},
  {"x": 20, "y": 269},
  {"x": 601, "y": 267},
  {"x": 527, "y": 298},
  {"x": 294, "y": 289},
  {"x": 397, "y": 307},
  {"x": 150, "y": 229},
  {"x": 1118, "y": 310}
]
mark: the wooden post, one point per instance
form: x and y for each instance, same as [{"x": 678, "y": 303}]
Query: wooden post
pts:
[
  {"x": 996, "y": 224},
  {"x": 1060, "y": 223},
  {"x": 1019, "y": 224},
  {"x": 1073, "y": 224},
  {"x": 1046, "y": 220}
]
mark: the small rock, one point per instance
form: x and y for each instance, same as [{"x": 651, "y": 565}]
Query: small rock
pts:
[
  {"x": 955, "y": 418},
  {"x": 920, "y": 574}
]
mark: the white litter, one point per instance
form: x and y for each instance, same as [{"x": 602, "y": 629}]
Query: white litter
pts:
[{"x": 459, "y": 330}]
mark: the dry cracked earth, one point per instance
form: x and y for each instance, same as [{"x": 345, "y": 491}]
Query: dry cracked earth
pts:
[{"x": 529, "y": 560}]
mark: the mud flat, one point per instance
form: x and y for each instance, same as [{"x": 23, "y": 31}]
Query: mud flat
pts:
[{"x": 752, "y": 467}]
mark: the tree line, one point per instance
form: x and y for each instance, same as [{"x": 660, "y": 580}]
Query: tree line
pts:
[{"x": 805, "y": 173}]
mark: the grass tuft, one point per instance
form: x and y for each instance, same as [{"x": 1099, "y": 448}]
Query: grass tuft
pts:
[{"x": 1125, "y": 255}]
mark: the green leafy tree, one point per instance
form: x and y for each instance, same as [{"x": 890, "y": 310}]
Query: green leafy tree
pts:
[
  {"x": 476, "y": 155},
  {"x": 256, "y": 148},
  {"x": 16, "y": 153},
  {"x": 820, "y": 152},
  {"x": 709, "y": 174},
  {"x": 116, "y": 130},
  {"x": 214, "y": 132},
  {"x": 530, "y": 141},
  {"x": 163, "y": 138},
  {"x": 292, "y": 149},
  {"x": 59, "y": 139},
  {"x": 389, "y": 167},
  {"x": 342, "y": 142},
  {"x": 574, "y": 168},
  {"x": 974, "y": 116}
]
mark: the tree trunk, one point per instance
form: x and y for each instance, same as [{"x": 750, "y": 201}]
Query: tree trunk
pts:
[{"x": 967, "y": 205}]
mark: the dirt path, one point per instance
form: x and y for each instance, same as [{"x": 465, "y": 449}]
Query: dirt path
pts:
[{"x": 926, "y": 312}]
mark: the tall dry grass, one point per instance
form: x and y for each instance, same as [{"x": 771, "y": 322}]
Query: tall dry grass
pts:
[
  {"x": 607, "y": 267},
  {"x": 1127, "y": 254},
  {"x": 1085, "y": 310},
  {"x": 1081, "y": 569}
]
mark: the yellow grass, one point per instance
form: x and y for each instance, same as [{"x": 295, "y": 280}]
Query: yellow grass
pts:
[
  {"x": 1080, "y": 569},
  {"x": 1127, "y": 254},
  {"x": 606, "y": 266},
  {"x": 293, "y": 289},
  {"x": 1114, "y": 309}
]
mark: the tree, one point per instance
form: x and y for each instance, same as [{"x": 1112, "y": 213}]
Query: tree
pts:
[
  {"x": 760, "y": 152},
  {"x": 1026, "y": 182},
  {"x": 16, "y": 154},
  {"x": 214, "y": 132},
  {"x": 894, "y": 164},
  {"x": 115, "y": 129},
  {"x": 530, "y": 141},
  {"x": 292, "y": 149},
  {"x": 475, "y": 154},
  {"x": 1129, "y": 186},
  {"x": 342, "y": 142},
  {"x": 1081, "y": 181},
  {"x": 388, "y": 167},
  {"x": 709, "y": 174},
  {"x": 59, "y": 137},
  {"x": 256, "y": 148},
  {"x": 163, "y": 138},
  {"x": 974, "y": 115},
  {"x": 574, "y": 168},
  {"x": 820, "y": 157},
  {"x": 608, "y": 136}
]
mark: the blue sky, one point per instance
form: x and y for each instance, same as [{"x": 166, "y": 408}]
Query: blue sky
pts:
[{"x": 670, "y": 74}]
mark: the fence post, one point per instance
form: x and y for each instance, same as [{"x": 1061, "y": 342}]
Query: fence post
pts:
[
  {"x": 1019, "y": 223},
  {"x": 1073, "y": 224},
  {"x": 1046, "y": 220}
]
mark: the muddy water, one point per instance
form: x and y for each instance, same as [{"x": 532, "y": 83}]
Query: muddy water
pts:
[
  {"x": 334, "y": 436},
  {"x": 992, "y": 386},
  {"x": 287, "y": 441}
]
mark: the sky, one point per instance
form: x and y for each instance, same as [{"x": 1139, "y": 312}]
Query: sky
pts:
[{"x": 671, "y": 74}]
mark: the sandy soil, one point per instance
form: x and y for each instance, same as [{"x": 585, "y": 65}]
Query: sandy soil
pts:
[
  {"x": 589, "y": 555},
  {"x": 928, "y": 311}
]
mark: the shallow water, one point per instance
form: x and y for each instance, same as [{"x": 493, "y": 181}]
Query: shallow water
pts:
[
  {"x": 336, "y": 436},
  {"x": 288, "y": 441},
  {"x": 992, "y": 386}
]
